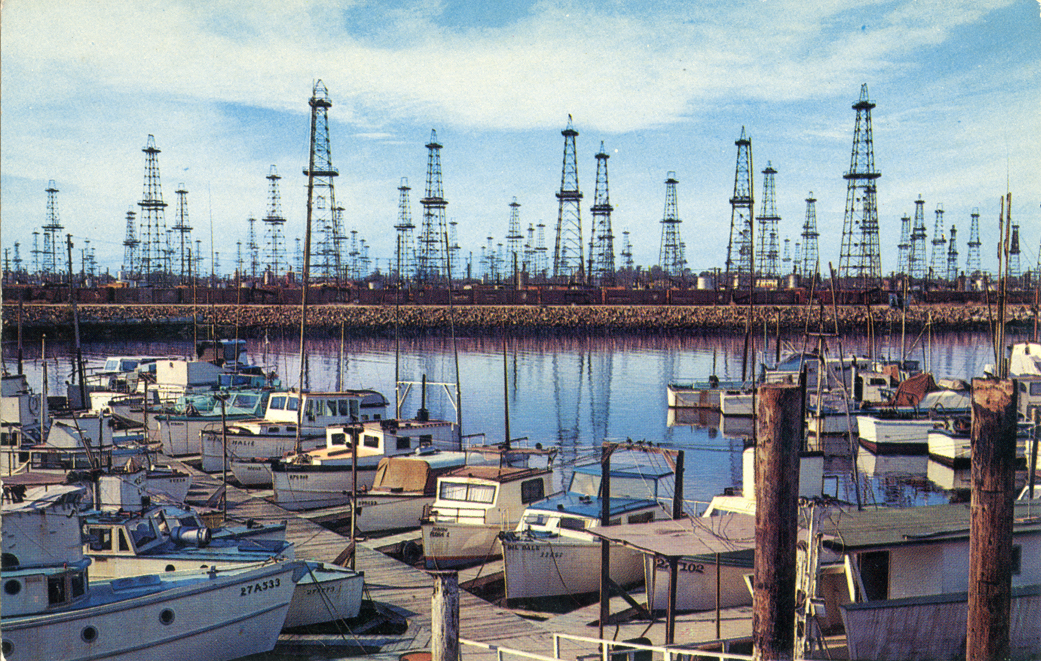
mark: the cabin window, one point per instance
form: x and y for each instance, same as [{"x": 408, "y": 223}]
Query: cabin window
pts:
[
  {"x": 404, "y": 442},
  {"x": 1017, "y": 559},
  {"x": 571, "y": 523},
  {"x": 344, "y": 408},
  {"x": 278, "y": 403},
  {"x": 124, "y": 545},
  {"x": 330, "y": 407},
  {"x": 642, "y": 517},
  {"x": 1035, "y": 387},
  {"x": 78, "y": 581},
  {"x": 874, "y": 570},
  {"x": 56, "y": 590},
  {"x": 425, "y": 441},
  {"x": 365, "y": 417},
  {"x": 12, "y": 587},
  {"x": 339, "y": 438},
  {"x": 104, "y": 539},
  {"x": 532, "y": 490},
  {"x": 534, "y": 520},
  {"x": 309, "y": 409},
  {"x": 473, "y": 493},
  {"x": 355, "y": 408},
  {"x": 377, "y": 416},
  {"x": 370, "y": 441},
  {"x": 8, "y": 440},
  {"x": 8, "y": 560},
  {"x": 143, "y": 534},
  {"x": 293, "y": 403}
]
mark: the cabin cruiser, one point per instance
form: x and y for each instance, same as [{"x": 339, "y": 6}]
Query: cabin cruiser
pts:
[
  {"x": 551, "y": 552},
  {"x": 275, "y": 434},
  {"x": 324, "y": 477},
  {"x": 53, "y": 609}
]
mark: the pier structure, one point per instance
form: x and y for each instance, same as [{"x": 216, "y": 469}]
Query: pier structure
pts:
[
  {"x": 568, "y": 253},
  {"x": 325, "y": 260},
  {"x": 916, "y": 260},
  {"x": 767, "y": 262},
  {"x": 274, "y": 228},
  {"x": 972, "y": 262},
  {"x": 433, "y": 240},
  {"x": 601, "y": 255},
  {"x": 183, "y": 229},
  {"x": 670, "y": 253},
  {"x": 52, "y": 267},
  {"x": 740, "y": 261},
  {"x": 810, "y": 257},
  {"x": 154, "y": 239},
  {"x": 860, "y": 260},
  {"x": 404, "y": 266}
]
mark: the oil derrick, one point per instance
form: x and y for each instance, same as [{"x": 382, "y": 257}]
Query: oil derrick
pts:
[
  {"x": 627, "y": 252},
  {"x": 972, "y": 263},
  {"x": 253, "y": 248},
  {"x": 917, "y": 258},
  {"x": 541, "y": 251},
  {"x": 860, "y": 259},
  {"x": 130, "y": 244},
  {"x": 326, "y": 255},
  {"x": 431, "y": 266},
  {"x": 453, "y": 249},
  {"x": 904, "y": 247},
  {"x": 340, "y": 240},
  {"x": 274, "y": 227},
  {"x": 797, "y": 259},
  {"x": 514, "y": 256},
  {"x": 405, "y": 250},
  {"x": 17, "y": 258},
  {"x": 52, "y": 267},
  {"x": 198, "y": 259},
  {"x": 354, "y": 257},
  {"x": 786, "y": 259},
  {"x": 739, "y": 260},
  {"x": 36, "y": 252},
  {"x": 670, "y": 259},
  {"x": 952, "y": 255},
  {"x": 810, "y": 256},
  {"x": 766, "y": 253},
  {"x": 153, "y": 221},
  {"x": 239, "y": 266},
  {"x": 602, "y": 251},
  {"x": 1014, "y": 268},
  {"x": 183, "y": 229},
  {"x": 567, "y": 252},
  {"x": 529, "y": 249},
  {"x": 298, "y": 257},
  {"x": 936, "y": 264}
]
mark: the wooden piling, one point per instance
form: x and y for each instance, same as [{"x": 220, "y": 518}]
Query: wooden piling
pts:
[
  {"x": 444, "y": 617},
  {"x": 990, "y": 535},
  {"x": 776, "y": 520}
]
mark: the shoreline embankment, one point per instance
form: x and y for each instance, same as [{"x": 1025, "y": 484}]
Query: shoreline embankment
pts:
[{"x": 105, "y": 320}]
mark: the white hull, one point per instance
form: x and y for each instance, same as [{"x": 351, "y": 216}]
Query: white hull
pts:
[
  {"x": 949, "y": 449},
  {"x": 830, "y": 424},
  {"x": 561, "y": 566},
  {"x": 448, "y": 544},
  {"x": 180, "y": 435},
  {"x": 232, "y": 615},
  {"x": 383, "y": 513},
  {"x": 311, "y": 489},
  {"x": 732, "y": 403},
  {"x": 894, "y": 436},
  {"x": 696, "y": 585},
  {"x": 241, "y": 446},
  {"x": 325, "y": 593},
  {"x": 251, "y": 473},
  {"x": 125, "y": 491}
]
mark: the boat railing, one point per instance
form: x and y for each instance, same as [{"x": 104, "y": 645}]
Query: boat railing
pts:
[{"x": 613, "y": 650}]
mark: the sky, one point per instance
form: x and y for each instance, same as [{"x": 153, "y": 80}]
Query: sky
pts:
[{"x": 666, "y": 86}]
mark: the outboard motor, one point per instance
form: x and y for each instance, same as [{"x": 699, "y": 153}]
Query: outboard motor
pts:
[{"x": 189, "y": 536}]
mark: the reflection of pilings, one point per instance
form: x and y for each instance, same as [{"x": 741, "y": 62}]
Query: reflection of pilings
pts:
[
  {"x": 598, "y": 374},
  {"x": 567, "y": 396}
]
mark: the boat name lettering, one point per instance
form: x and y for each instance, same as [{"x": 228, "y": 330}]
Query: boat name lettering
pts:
[
  {"x": 322, "y": 590},
  {"x": 523, "y": 547},
  {"x": 367, "y": 503},
  {"x": 244, "y": 443},
  {"x": 293, "y": 476},
  {"x": 437, "y": 531},
  {"x": 551, "y": 554},
  {"x": 682, "y": 565},
  {"x": 260, "y": 587}
]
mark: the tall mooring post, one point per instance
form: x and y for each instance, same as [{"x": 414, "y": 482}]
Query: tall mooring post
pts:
[
  {"x": 444, "y": 617},
  {"x": 778, "y": 437},
  {"x": 990, "y": 535}
]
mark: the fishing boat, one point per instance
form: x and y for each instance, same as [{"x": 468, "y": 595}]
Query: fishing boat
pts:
[
  {"x": 53, "y": 610},
  {"x": 325, "y": 477},
  {"x": 157, "y": 541},
  {"x": 551, "y": 553},
  {"x": 21, "y": 411},
  {"x": 275, "y": 434},
  {"x": 77, "y": 442},
  {"x": 179, "y": 427},
  {"x": 474, "y": 504},
  {"x": 700, "y": 394}
]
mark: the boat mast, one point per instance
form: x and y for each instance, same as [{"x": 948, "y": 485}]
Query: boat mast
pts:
[{"x": 306, "y": 270}]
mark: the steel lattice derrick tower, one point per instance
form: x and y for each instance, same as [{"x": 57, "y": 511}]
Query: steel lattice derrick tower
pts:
[
  {"x": 952, "y": 255},
  {"x": 786, "y": 259},
  {"x": 1014, "y": 268},
  {"x": 53, "y": 264},
  {"x": 183, "y": 229},
  {"x": 514, "y": 256},
  {"x": 860, "y": 258},
  {"x": 972, "y": 263},
  {"x": 431, "y": 266},
  {"x": 741, "y": 205},
  {"x": 766, "y": 254},
  {"x": 354, "y": 263},
  {"x": 904, "y": 247},
  {"x": 274, "y": 227},
  {"x": 405, "y": 250},
  {"x": 541, "y": 251},
  {"x": 939, "y": 242},
  {"x": 568, "y": 255},
  {"x": 602, "y": 256},
  {"x": 529, "y": 249},
  {"x": 36, "y": 253},
  {"x": 917, "y": 258},
  {"x": 153, "y": 221},
  {"x": 670, "y": 257},
  {"x": 453, "y": 249},
  {"x": 810, "y": 263},
  {"x": 326, "y": 257},
  {"x": 17, "y": 258},
  {"x": 253, "y": 248},
  {"x": 627, "y": 252}
]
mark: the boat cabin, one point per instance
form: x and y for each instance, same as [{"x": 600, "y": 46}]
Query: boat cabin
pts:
[
  {"x": 322, "y": 409},
  {"x": 392, "y": 437}
]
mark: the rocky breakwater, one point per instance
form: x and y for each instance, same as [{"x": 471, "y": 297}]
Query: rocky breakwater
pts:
[{"x": 472, "y": 319}]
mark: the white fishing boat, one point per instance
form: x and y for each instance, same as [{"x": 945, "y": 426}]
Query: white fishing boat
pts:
[
  {"x": 20, "y": 415},
  {"x": 156, "y": 541},
  {"x": 52, "y": 610},
  {"x": 127, "y": 489},
  {"x": 895, "y": 435},
  {"x": 737, "y": 403},
  {"x": 475, "y": 503},
  {"x": 325, "y": 477},
  {"x": 78, "y": 442},
  {"x": 179, "y": 428},
  {"x": 275, "y": 434},
  {"x": 551, "y": 553},
  {"x": 700, "y": 394}
]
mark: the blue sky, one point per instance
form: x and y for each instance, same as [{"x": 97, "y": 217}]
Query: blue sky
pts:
[{"x": 666, "y": 85}]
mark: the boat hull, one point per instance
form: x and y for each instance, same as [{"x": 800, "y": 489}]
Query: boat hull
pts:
[
  {"x": 894, "y": 436},
  {"x": 246, "y": 446},
  {"x": 696, "y": 584},
  {"x": 325, "y": 593},
  {"x": 314, "y": 486},
  {"x": 450, "y": 544},
  {"x": 383, "y": 513},
  {"x": 536, "y": 568},
  {"x": 251, "y": 474}
]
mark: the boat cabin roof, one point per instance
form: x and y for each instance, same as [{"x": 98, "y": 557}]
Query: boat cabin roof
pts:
[
  {"x": 637, "y": 472},
  {"x": 585, "y": 506},
  {"x": 677, "y": 538},
  {"x": 499, "y": 474}
]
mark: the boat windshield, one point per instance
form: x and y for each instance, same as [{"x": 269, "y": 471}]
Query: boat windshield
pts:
[
  {"x": 472, "y": 493},
  {"x": 622, "y": 486}
]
